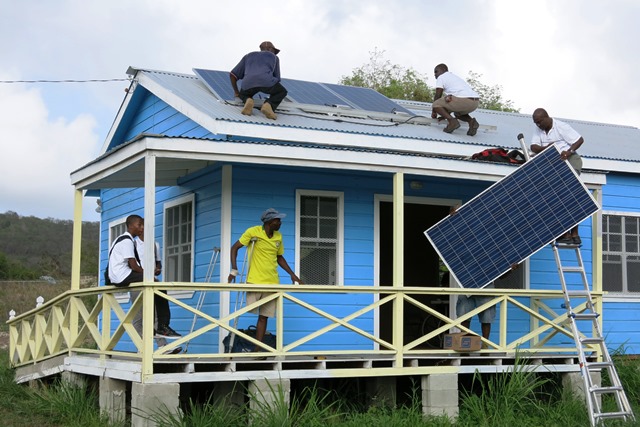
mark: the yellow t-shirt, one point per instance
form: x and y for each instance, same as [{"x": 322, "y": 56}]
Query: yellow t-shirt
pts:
[{"x": 264, "y": 260}]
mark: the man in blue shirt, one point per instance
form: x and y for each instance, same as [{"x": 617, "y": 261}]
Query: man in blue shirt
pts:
[{"x": 259, "y": 72}]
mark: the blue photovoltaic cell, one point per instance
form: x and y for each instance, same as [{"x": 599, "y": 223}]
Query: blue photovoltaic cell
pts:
[
  {"x": 511, "y": 220},
  {"x": 367, "y": 99},
  {"x": 217, "y": 81},
  {"x": 308, "y": 92},
  {"x": 311, "y": 93}
]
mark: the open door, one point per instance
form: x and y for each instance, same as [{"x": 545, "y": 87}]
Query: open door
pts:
[{"x": 421, "y": 264}]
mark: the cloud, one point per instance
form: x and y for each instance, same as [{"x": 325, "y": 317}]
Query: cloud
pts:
[
  {"x": 39, "y": 152},
  {"x": 576, "y": 58}
]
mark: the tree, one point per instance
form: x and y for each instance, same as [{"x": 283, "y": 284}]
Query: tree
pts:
[
  {"x": 490, "y": 96},
  {"x": 396, "y": 82},
  {"x": 391, "y": 80}
]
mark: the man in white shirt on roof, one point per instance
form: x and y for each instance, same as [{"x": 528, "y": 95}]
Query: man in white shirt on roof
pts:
[{"x": 459, "y": 98}]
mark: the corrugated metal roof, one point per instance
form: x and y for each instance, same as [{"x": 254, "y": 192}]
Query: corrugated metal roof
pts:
[{"x": 602, "y": 141}]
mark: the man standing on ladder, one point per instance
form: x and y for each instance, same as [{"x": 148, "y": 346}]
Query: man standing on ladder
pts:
[
  {"x": 549, "y": 131},
  {"x": 266, "y": 256}
]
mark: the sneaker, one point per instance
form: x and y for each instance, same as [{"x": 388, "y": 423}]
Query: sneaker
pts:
[
  {"x": 453, "y": 125},
  {"x": 165, "y": 331},
  {"x": 565, "y": 240},
  {"x": 268, "y": 111},
  {"x": 174, "y": 351},
  {"x": 248, "y": 107},
  {"x": 473, "y": 127}
]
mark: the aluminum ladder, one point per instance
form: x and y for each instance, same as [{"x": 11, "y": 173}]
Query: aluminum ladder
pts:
[{"x": 585, "y": 344}]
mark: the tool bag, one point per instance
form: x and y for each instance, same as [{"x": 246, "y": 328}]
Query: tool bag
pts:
[
  {"x": 241, "y": 345},
  {"x": 501, "y": 155}
]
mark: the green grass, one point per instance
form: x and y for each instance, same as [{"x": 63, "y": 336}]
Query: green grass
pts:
[{"x": 520, "y": 398}]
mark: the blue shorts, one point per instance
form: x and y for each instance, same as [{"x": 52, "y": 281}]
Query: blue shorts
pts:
[{"x": 467, "y": 303}]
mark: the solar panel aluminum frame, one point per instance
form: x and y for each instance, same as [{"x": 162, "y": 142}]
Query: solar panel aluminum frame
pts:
[{"x": 491, "y": 232}]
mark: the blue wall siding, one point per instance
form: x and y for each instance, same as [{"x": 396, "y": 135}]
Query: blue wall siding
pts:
[
  {"x": 206, "y": 185},
  {"x": 154, "y": 116},
  {"x": 622, "y": 317}
]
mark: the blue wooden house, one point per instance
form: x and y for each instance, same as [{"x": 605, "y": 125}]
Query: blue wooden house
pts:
[{"x": 339, "y": 161}]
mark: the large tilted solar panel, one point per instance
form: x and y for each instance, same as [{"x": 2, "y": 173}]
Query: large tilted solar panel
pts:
[
  {"x": 512, "y": 219},
  {"x": 304, "y": 92}
]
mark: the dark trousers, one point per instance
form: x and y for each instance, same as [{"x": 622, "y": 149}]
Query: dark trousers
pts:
[
  {"x": 277, "y": 93},
  {"x": 161, "y": 305}
]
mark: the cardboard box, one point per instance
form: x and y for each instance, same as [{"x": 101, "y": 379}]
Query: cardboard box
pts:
[{"x": 461, "y": 341}]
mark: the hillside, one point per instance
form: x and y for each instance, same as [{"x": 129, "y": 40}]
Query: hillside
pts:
[{"x": 31, "y": 247}]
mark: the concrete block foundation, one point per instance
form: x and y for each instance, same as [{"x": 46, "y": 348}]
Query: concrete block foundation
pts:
[
  {"x": 269, "y": 393},
  {"x": 440, "y": 394},
  {"x": 149, "y": 399},
  {"x": 113, "y": 399}
]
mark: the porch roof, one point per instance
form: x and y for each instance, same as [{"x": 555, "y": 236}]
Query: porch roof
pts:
[{"x": 123, "y": 167}]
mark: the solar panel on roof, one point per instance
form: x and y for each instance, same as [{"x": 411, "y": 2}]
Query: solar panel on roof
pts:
[
  {"x": 304, "y": 92},
  {"x": 217, "y": 81},
  {"x": 311, "y": 93},
  {"x": 512, "y": 219},
  {"x": 366, "y": 98}
]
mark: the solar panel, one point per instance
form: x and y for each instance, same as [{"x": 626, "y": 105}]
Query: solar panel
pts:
[
  {"x": 311, "y": 93},
  {"x": 512, "y": 219},
  {"x": 366, "y": 98},
  {"x": 217, "y": 81},
  {"x": 308, "y": 92}
]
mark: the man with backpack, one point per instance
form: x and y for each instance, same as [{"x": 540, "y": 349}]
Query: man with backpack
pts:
[{"x": 124, "y": 268}]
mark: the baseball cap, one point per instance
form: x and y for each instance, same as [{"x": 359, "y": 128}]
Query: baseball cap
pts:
[
  {"x": 270, "y": 214},
  {"x": 267, "y": 45}
]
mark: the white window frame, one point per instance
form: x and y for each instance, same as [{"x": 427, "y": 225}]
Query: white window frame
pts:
[
  {"x": 625, "y": 295},
  {"x": 340, "y": 229},
  {"x": 190, "y": 198}
]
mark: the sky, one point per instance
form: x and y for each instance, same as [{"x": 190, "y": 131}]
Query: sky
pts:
[{"x": 576, "y": 58}]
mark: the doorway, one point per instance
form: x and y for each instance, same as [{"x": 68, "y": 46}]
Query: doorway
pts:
[{"x": 421, "y": 262}]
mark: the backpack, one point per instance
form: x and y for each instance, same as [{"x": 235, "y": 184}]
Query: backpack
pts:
[
  {"x": 107, "y": 281},
  {"x": 500, "y": 155}
]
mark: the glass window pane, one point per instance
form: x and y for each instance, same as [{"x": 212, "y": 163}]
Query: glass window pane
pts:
[
  {"x": 308, "y": 205},
  {"x": 615, "y": 224},
  {"x": 328, "y": 228},
  {"x": 633, "y": 274},
  {"x": 631, "y": 225},
  {"x": 612, "y": 273},
  {"x": 631, "y": 243},
  {"x": 615, "y": 243},
  {"x": 328, "y": 206},
  {"x": 308, "y": 227}
]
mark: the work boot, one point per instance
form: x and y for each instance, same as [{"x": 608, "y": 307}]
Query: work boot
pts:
[
  {"x": 268, "y": 111},
  {"x": 453, "y": 125},
  {"x": 473, "y": 127},
  {"x": 248, "y": 107}
]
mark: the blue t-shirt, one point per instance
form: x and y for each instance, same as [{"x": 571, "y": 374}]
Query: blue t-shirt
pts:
[{"x": 258, "y": 69}]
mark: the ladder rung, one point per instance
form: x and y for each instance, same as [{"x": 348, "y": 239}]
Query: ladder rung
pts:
[
  {"x": 610, "y": 389},
  {"x": 579, "y": 293},
  {"x": 598, "y": 365},
  {"x": 613, "y": 414},
  {"x": 593, "y": 340},
  {"x": 584, "y": 316},
  {"x": 572, "y": 269}
]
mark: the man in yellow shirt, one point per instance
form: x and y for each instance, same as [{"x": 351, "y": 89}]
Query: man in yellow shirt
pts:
[{"x": 267, "y": 255}]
